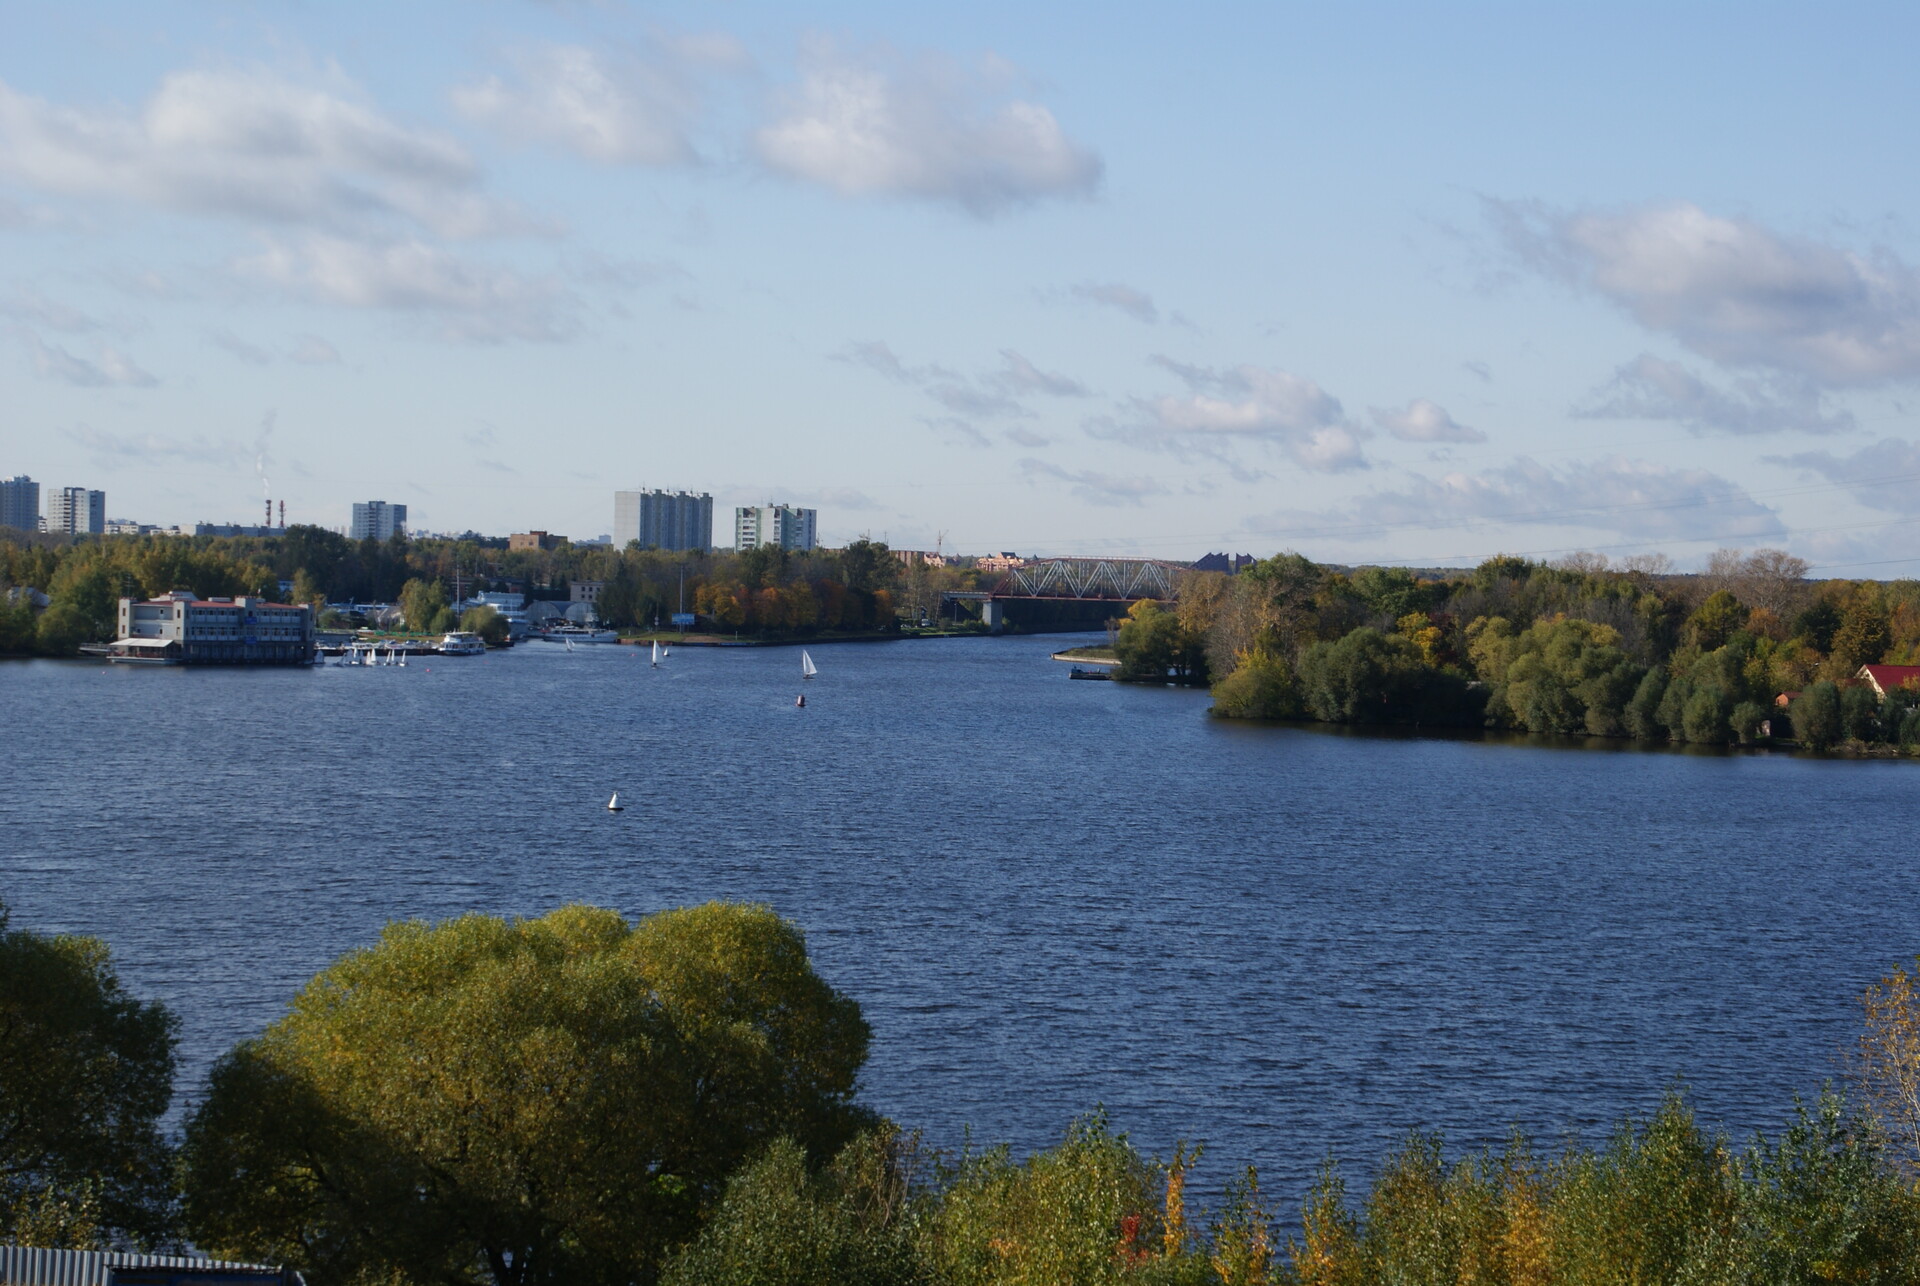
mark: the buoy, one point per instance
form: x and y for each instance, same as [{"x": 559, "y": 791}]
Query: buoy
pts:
[{"x": 800, "y": 700}]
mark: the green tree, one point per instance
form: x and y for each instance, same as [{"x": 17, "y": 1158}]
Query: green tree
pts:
[
  {"x": 783, "y": 1224},
  {"x": 1153, "y": 646},
  {"x": 421, "y": 602},
  {"x": 1643, "y": 711},
  {"x": 1261, "y": 686},
  {"x": 1816, "y": 717},
  {"x": 536, "y": 1101},
  {"x": 1746, "y": 721},
  {"x": 86, "y": 1072},
  {"x": 487, "y": 623},
  {"x": 1716, "y": 619},
  {"x": 1706, "y": 718},
  {"x": 1863, "y": 636},
  {"x": 1860, "y": 713}
]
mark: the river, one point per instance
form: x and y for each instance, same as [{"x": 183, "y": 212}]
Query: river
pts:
[{"x": 1045, "y": 895}]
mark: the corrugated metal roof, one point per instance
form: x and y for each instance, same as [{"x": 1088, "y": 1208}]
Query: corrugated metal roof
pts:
[{"x": 33, "y": 1266}]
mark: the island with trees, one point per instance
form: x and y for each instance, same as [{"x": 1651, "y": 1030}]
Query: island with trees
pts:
[{"x": 1747, "y": 652}]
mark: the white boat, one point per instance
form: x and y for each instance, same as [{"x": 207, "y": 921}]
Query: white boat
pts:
[
  {"x": 461, "y": 643},
  {"x": 656, "y": 654},
  {"x": 577, "y": 634},
  {"x": 807, "y": 670},
  {"x": 613, "y": 805}
]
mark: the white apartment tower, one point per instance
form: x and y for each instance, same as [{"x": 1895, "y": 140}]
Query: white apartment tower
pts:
[
  {"x": 20, "y": 503},
  {"x": 378, "y": 519},
  {"x": 663, "y": 519},
  {"x": 76, "y": 511},
  {"x": 772, "y": 524}
]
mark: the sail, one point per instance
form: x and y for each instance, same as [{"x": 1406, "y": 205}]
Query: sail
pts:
[
  {"x": 806, "y": 666},
  {"x": 656, "y": 651}
]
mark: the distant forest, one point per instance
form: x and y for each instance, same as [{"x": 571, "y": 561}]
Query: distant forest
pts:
[
  {"x": 1574, "y": 647},
  {"x": 860, "y": 589}
]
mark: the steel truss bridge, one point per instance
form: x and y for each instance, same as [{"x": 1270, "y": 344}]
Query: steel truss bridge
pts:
[{"x": 1120, "y": 579}]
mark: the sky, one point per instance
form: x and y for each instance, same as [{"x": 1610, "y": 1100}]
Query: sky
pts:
[{"x": 1377, "y": 283}]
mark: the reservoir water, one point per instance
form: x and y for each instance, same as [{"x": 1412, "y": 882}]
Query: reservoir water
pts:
[{"x": 1045, "y": 895}]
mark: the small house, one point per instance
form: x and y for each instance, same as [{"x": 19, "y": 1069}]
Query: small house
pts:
[{"x": 1887, "y": 678}]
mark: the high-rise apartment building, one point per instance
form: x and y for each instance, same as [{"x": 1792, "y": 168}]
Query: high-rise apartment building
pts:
[
  {"x": 20, "y": 503},
  {"x": 76, "y": 511},
  {"x": 379, "y": 520},
  {"x": 772, "y": 524},
  {"x": 663, "y": 519}
]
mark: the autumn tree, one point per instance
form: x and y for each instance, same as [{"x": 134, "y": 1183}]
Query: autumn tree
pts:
[
  {"x": 86, "y": 1072},
  {"x": 534, "y": 1101}
]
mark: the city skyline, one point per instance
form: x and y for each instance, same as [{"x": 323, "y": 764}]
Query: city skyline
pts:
[{"x": 1379, "y": 284}]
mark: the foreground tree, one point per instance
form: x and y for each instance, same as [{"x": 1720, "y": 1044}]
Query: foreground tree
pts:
[
  {"x": 551, "y": 1100},
  {"x": 85, "y": 1073}
]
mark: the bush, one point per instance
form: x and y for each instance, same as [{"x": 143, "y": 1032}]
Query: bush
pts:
[
  {"x": 1746, "y": 721},
  {"x": 1816, "y": 717},
  {"x": 1262, "y": 686}
]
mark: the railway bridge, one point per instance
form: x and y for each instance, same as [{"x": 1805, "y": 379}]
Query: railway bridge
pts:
[{"x": 1103, "y": 586}]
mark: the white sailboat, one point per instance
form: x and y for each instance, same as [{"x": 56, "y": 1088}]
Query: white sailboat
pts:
[
  {"x": 656, "y": 654},
  {"x": 807, "y": 670},
  {"x": 613, "y": 805}
]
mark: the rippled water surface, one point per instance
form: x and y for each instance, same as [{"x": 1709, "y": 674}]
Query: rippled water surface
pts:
[{"x": 1045, "y": 894}]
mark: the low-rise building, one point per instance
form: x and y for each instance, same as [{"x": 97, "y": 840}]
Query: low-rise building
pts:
[
  {"x": 586, "y": 591},
  {"x": 1887, "y": 678},
  {"x": 1004, "y": 561},
  {"x": 217, "y": 631},
  {"x": 536, "y": 540}
]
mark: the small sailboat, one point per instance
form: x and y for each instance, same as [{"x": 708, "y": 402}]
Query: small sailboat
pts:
[
  {"x": 800, "y": 702},
  {"x": 656, "y": 654},
  {"x": 666, "y": 651},
  {"x": 614, "y": 805},
  {"x": 807, "y": 670}
]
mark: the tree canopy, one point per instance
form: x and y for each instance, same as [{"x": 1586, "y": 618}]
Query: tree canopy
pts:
[
  {"x": 550, "y": 1100},
  {"x": 86, "y": 1072}
]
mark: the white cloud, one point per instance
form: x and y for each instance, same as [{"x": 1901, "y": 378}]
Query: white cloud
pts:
[
  {"x": 1246, "y": 404},
  {"x": 1097, "y": 488},
  {"x": 112, "y": 369},
  {"x": 1883, "y": 476},
  {"x": 1137, "y": 304},
  {"x": 472, "y": 300},
  {"x": 1424, "y": 421},
  {"x": 253, "y": 146},
  {"x": 933, "y": 130},
  {"x": 25, "y": 304},
  {"x": 1632, "y": 498},
  {"x": 607, "y": 107},
  {"x": 1652, "y": 388},
  {"x": 1734, "y": 291}
]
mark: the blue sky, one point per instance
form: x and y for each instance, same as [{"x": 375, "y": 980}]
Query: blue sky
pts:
[{"x": 1377, "y": 283}]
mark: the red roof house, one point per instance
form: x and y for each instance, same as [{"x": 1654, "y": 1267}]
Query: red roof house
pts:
[{"x": 1885, "y": 678}]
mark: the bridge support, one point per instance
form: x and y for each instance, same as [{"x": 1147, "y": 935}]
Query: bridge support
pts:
[{"x": 993, "y": 615}]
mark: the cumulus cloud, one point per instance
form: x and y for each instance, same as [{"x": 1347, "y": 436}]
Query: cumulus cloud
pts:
[
  {"x": 1424, "y": 421},
  {"x": 1732, "y": 290},
  {"x": 1632, "y": 498},
  {"x": 1097, "y": 488},
  {"x": 1652, "y": 388},
  {"x": 111, "y": 369},
  {"x": 932, "y": 130},
  {"x": 1137, "y": 304},
  {"x": 614, "y": 108},
  {"x": 1246, "y": 404},
  {"x": 471, "y": 300},
  {"x": 253, "y": 146},
  {"x": 1883, "y": 476}
]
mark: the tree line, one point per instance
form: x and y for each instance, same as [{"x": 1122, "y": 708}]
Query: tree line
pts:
[
  {"x": 581, "y": 1099},
  {"x": 1575, "y": 647},
  {"x": 862, "y": 588}
]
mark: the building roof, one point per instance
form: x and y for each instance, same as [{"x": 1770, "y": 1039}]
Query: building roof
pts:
[
  {"x": 1888, "y": 677},
  {"x": 32, "y": 1266}
]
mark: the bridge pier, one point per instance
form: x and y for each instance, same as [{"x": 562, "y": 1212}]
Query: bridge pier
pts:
[{"x": 993, "y": 615}]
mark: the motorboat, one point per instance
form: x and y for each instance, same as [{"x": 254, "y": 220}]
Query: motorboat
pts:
[
  {"x": 461, "y": 643},
  {"x": 577, "y": 634}
]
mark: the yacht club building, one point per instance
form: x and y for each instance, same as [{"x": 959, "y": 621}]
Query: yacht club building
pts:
[{"x": 215, "y": 631}]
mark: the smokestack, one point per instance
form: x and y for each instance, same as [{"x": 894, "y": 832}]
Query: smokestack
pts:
[
  {"x": 283, "y": 515},
  {"x": 269, "y": 514}
]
